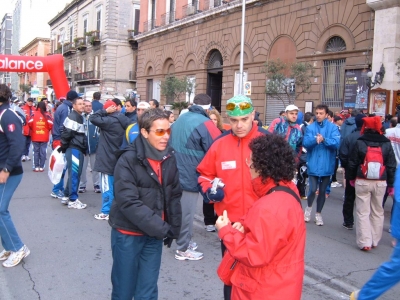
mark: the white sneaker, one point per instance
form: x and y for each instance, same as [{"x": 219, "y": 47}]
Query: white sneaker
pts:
[
  {"x": 210, "y": 228},
  {"x": 188, "y": 255},
  {"x": 64, "y": 200},
  {"x": 16, "y": 257},
  {"x": 192, "y": 245},
  {"x": 76, "y": 204},
  {"x": 307, "y": 214},
  {"x": 23, "y": 158},
  {"x": 334, "y": 184},
  {"x": 101, "y": 216},
  {"x": 4, "y": 254},
  {"x": 27, "y": 158},
  {"x": 318, "y": 219}
]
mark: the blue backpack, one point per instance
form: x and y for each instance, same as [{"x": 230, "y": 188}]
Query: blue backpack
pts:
[{"x": 131, "y": 133}]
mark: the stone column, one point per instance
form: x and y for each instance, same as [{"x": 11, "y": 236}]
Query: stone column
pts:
[{"x": 386, "y": 49}]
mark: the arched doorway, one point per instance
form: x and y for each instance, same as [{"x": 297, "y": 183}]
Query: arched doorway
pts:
[{"x": 214, "y": 78}]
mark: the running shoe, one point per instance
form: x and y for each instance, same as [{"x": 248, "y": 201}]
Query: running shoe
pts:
[
  {"x": 4, "y": 255},
  {"x": 23, "y": 158},
  {"x": 97, "y": 189},
  {"x": 188, "y": 255},
  {"x": 318, "y": 219},
  {"x": 101, "y": 216},
  {"x": 65, "y": 200},
  {"x": 36, "y": 170},
  {"x": 192, "y": 245},
  {"x": 58, "y": 195},
  {"x": 348, "y": 226},
  {"x": 76, "y": 204},
  {"x": 307, "y": 214},
  {"x": 16, "y": 257},
  {"x": 82, "y": 190},
  {"x": 27, "y": 158},
  {"x": 210, "y": 228},
  {"x": 41, "y": 169}
]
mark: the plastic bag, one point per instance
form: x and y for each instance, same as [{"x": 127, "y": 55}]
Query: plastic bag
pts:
[{"x": 57, "y": 164}]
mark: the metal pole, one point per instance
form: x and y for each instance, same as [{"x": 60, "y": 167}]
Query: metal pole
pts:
[{"x": 241, "y": 74}]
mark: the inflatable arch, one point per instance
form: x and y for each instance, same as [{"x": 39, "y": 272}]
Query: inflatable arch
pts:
[{"x": 53, "y": 64}]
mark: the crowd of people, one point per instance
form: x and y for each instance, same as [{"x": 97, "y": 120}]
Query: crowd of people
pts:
[{"x": 151, "y": 169}]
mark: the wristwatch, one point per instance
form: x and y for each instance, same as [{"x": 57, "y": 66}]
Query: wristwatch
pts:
[{"x": 5, "y": 170}]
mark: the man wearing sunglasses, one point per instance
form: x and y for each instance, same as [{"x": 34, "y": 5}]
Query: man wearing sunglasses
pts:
[
  {"x": 146, "y": 209},
  {"x": 112, "y": 126},
  {"x": 192, "y": 135},
  {"x": 226, "y": 159}
]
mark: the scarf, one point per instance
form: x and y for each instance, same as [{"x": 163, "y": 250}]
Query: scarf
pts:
[{"x": 153, "y": 153}]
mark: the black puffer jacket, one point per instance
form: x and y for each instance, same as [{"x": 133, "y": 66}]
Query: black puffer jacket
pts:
[
  {"x": 140, "y": 200},
  {"x": 73, "y": 133},
  {"x": 359, "y": 151},
  {"x": 346, "y": 148},
  {"x": 112, "y": 129}
]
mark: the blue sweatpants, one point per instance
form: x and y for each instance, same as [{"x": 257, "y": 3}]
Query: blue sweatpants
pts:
[
  {"x": 107, "y": 192},
  {"x": 384, "y": 278},
  {"x": 74, "y": 159}
]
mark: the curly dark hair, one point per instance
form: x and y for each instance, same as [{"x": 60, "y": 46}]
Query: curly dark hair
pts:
[
  {"x": 273, "y": 158},
  {"x": 5, "y": 93}
]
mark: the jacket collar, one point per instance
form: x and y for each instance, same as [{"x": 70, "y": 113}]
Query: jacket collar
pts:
[
  {"x": 198, "y": 110},
  {"x": 379, "y": 138},
  {"x": 262, "y": 188}
]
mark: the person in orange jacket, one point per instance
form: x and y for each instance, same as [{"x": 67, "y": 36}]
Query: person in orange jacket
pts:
[
  {"x": 225, "y": 159},
  {"x": 268, "y": 242},
  {"x": 40, "y": 125},
  {"x": 28, "y": 109}
]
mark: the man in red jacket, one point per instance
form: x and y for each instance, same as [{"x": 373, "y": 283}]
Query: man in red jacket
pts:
[
  {"x": 226, "y": 160},
  {"x": 28, "y": 110}
]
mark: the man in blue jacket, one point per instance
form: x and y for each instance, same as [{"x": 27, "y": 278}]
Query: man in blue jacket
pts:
[
  {"x": 96, "y": 104},
  {"x": 191, "y": 136},
  {"x": 321, "y": 140}
]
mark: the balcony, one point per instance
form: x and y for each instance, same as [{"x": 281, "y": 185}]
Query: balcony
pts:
[
  {"x": 131, "y": 39},
  {"x": 167, "y": 18},
  {"x": 69, "y": 49},
  {"x": 190, "y": 9},
  {"x": 149, "y": 25},
  {"x": 58, "y": 51},
  {"x": 48, "y": 83},
  {"x": 87, "y": 77},
  {"x": 68, "y": 74},
  {"x": 132, "y": 76},
  {"x": 81, "y": 43},
  {"x": 93, "y": 37}
]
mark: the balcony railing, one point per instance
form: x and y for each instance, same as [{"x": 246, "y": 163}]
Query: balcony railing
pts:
[
  {"x": 132, "y": 75},
  {"x": 68, "y": 74},
  {"x": 93, "y": 37},
  {"x": 81, "y": 43},
  {"x": 58, "y": 51},
  {"x": 149, "y": 25},
  {"x": 69, "y": 49},
  {"x": 190, "y": 9},
  {"x": 167, "y": 18},
  {"x": 87, "y": 76}
]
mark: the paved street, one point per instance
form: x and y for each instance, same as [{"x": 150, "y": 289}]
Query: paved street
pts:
[{"x": 71, "y": 257}]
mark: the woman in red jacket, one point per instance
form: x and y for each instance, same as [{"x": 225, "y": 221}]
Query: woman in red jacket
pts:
[
  {"x": 40, "y": 125},
  {"x": 268, "y": 243}
]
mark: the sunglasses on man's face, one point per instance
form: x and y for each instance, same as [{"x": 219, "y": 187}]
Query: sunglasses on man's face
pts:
[
  {"x": 161, "y": 132},
  {"x": 242, "y": 106}
]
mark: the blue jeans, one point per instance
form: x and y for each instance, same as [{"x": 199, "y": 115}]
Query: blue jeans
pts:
[
  {"x": 9, "y": 236},
  {"x": 136, "y": 266},
  {"x": 74, "y": 159},
  {"x": 384, "y": 278},
  {"x": 321, "y": 183},
  {"x": 107, "y": 192}
]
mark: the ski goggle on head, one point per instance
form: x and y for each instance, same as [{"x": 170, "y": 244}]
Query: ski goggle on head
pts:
[{"x": 239, "y": 106}]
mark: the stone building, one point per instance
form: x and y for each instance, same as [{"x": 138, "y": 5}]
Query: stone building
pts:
[
  {"x": 201, "y": 39},
  {"x": 5, "y": 43},
  {"x": 93, "y": 37},
  {"x": 36, "y": 47}
]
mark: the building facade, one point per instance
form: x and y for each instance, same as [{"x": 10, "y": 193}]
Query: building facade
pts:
[
  {"x": 27, "y": 80},
  {"x": 93, "y": 37},
  {"x": 201, "y": 39},
  {"x": 5, "y": 43}
]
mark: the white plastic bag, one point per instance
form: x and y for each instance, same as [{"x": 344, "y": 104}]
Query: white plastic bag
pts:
[{"x": 57, "y": 164}]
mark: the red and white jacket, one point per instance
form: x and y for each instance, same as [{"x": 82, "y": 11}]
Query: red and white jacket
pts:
[
  {"x": 40, "y": 127},
  {"x": 28, "y": 110}
]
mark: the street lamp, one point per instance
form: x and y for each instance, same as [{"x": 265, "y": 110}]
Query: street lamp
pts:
[{"x": 378, "y": 77}]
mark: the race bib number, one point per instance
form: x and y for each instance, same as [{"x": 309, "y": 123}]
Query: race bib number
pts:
[{"x": 228, "y": 165}]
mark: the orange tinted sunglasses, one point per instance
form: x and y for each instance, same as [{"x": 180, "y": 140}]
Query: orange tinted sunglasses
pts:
[
  {"x": 162, "y": 132},
  {"x": 242, "y": 106}
]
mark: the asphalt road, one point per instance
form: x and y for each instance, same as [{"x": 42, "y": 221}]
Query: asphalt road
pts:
[{"x": 71, "y": 257}]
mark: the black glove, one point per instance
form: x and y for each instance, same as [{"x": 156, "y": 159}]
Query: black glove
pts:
[
  {"x": 61, "y": 149},
  {"x": 168, "y": 242}
]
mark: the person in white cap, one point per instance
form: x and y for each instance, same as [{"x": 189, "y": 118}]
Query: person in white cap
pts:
[
  {"x": 287, "y": 127},
  {"x": 141, "y": 107}
]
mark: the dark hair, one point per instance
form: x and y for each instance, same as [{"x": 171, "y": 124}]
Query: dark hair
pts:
[
  {"x": 42, "y": 108},
  {"x": 371, "y": 115},
  {"x": 322, "y": 107},
  {"x": 132, "y": 102},
  {"x": 337, "y": 118},
  {"x": 5, "y": 93},
  {"x": 156, "y": 103},
  {"x": 330, "y": 113},
  {"x": 96, "y": 95},
  {"x": 149, "y": 116},
  {"x": 308, "y": 116},
  {"x": 355, "y": 112},
  {"x": 117, "y": 102},
  {"x": 168, "y": 112},
  {"x": 388, "y": 117},
  {"x": 393, "y": 122},
  {"x": 279, "y": 164},
  {"x": 76, "y": 99},
  {"x": 281, "y": 112}
]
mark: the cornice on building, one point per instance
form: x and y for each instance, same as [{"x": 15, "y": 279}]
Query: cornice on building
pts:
[
  {"x": 383, "y": 4},
  {"x": 33, "y": 42},
  {"x": 65, "y": 11}
]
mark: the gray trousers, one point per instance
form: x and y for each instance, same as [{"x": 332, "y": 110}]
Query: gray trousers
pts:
[
  {"x": 95, "y": 175},
  {"x": 188, "y": 204}
]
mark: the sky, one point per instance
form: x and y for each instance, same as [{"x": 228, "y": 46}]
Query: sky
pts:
[{"x": 7, "y": 6}]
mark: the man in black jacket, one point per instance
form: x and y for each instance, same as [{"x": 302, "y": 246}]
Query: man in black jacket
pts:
[
  {"x": 112, "y": 126},
  {"x": 74, "y": 145},
  {"x": 146, "y": 209},
  {"x": 346, "y": 148}
]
